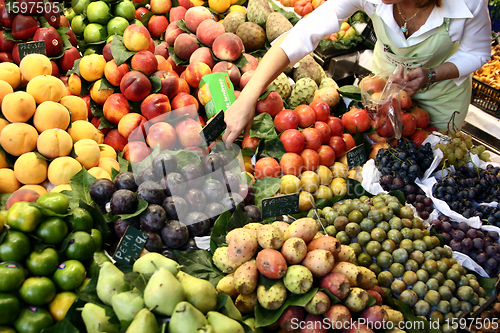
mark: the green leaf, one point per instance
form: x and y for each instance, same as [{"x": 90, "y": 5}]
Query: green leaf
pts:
[
  {"x": 63, "y": 326},
  {"x": 221, "y": 300},
  {"x": 333, "y": 299},
  {"x": 3, "y": 199},
  {"x": 105, "y": 84},
  {"x": 99, "y": 220},
  {"x": 247, "y": 152},
  {"x": 145, "y": 18},
  {"x": 238, "y": 220},
  {"x": 241, "y": 61},
  {"x": 340, "y": 109},
  {"x": 181, "y": 24},
  {"x": 266, "y": 282},
  {"x": 322, "y": 203},
  {"x": 73, "y": 199},
  {"x": 119, "y": 51},
  {"x": 198, "y": 263},
  {"x": 8, "y": 35},
  {"x": 265, "y": 317},
  {"x": 265, "y": 188},
  {"x": 185, "y": 157},
  {"x": 269, "y": 88},
  {"x": 46, "y": 211},
  {"x": 75, "y": 69},
  {"x": 355, "y": 190},
  {"x": 178, "y": 61},
  {"x": 270, "y": 147},
  {"x": 351, "y": 92},
  {"x": 3, "y": 234},
  {"x": 400, "y": 195},
  {"x": 124, "y": 164},
  {"x": 137, "y": 280},
  {"x": 106, "y": 123},
  {"x": 10, "y": 159},
  {"x": 80, "y": 185},
  {"x": 219, "y": 231},
  {"x": 155, "y": 83},
  {"x": 488, "y": 285},
  {"x": 89, "y": 293},
  {"x": 291, "y": 16},
  {"x": 263, "y": 127},
  {"x": 96, "y": 109},
  {"x": 114, "y": 173},
  {"x": 371, "y": 301}
]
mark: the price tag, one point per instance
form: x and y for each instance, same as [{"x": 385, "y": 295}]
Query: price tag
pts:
[
  {"x": 280, "y": 205},
  {"x": 214, "y": 128},
  {"x": 356, "y": 156},
  {"x": 31, "y": 47},
  {"x": 130, "y": 246}
]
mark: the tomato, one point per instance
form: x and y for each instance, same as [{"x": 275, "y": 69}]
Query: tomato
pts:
[
  {"x": 52, "y": 231},
  {"x": 42, "y": 263},
  {"x": 61, "y": 304},
  {"x": 33, "y": 320},
  {"x": 303, "y": 7},
  {"x": 69, "y": 275},
  {"x": 9, "y": 308},
  {"x": 81, "y": 246},
  {"x": 23, "y": 217},
  {"x": 11, "y": 276},
  {"x": 97, "y": 237},
  {"x": 15, "y": 246},
  {"x": 37, "y": 290},
  {"x": 54, "y": 201},
  {"x": 79, "y": 220}
]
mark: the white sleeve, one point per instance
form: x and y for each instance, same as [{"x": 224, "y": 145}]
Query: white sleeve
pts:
[
  {"x": 303, "y": 38},
  {"x": 474, "y": 48}
]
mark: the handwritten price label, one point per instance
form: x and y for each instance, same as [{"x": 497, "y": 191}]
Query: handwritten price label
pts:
[{"x": 280, "y": 205}]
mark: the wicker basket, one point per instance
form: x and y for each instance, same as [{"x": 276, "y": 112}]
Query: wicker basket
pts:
[{"x": 485, "y": 97}]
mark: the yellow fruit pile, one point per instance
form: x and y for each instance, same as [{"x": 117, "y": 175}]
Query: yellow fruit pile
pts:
[{"x": 43, "y": 126}]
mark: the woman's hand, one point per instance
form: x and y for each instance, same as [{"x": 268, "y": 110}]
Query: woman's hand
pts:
[
  {"x": 239, "y": 118},
  {"x": 414, "y": 80}
]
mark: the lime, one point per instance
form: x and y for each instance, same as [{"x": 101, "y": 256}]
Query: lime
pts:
[
  {"x": 42, "y": 263},
  {"x": 37, "y": 290},
  {"x": 9, "y": 308},
  {"x": 69, "y": 275},
  {"x": 79, "y": 220},
  {"x": 11, "y": 276},
  {"x": 52, "y": 231},
  {"x": 54, "y": 201},
  {"x": 81, "y": 246},
  {"x": 97, "y": 237},
  {"x": 33, "y": 320},
  {"x": 23, "y": 217},
  {"x": 61, "y": 304},
  {"x": 15, "y": 246}
]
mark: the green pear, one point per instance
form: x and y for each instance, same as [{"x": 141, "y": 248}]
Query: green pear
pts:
[
  {"x": 206, "y": 329},
  {"x": 144, "y": 322},
  {"x": 96, "y": 321},
  {"x": 186, "y": 319},
  {"x": 250, "y": 322},
  {"x": 230, "y": 310},
  {"x": 163, "y": 292},
  {"x": 150, "y": 262},
  {"x": 127, "y": 304},
  {"x": 110, "y": 282},
  {"x": 201, "y": 293},
  {"x": 223, "y": 324}
]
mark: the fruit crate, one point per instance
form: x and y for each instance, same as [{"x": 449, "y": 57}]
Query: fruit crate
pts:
[
  {"x": 471, "y": 318},
  {"x": 485, "y": 97}
]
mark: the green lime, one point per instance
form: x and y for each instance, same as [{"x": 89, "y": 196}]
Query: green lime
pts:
[
  {"x": 79, "y": 220},
  {"x": 57, "y": 202},
  {"x": 69, "y": 275},
  {"x": 81, "y": 246},
  {"x": 52, "y": 231},
  {"x": 9, "y": 308},
  {"x": 33, "y": 320},
  {"x": 23, "y": 217},
  {"x": 97, "y": 237},
  {"x": 42, "y": 263},
  {"x": 11, "y": 276},
  {"x": 15, "y": 246},
  {"x": 37, "y": 290}
]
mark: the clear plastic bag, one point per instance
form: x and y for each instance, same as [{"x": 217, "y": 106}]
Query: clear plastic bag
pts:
[{"x": 380, "y": 97}]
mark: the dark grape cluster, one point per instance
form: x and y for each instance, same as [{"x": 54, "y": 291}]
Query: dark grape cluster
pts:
[
  {"x": 401, "y": 165},
  {"x": 422, "y": 203},
  {"x": 481, "y": 246},
  {"x": 462, "y": 190}
]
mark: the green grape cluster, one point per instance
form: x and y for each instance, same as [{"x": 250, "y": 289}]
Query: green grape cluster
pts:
[{"x": 458, "y": 147}]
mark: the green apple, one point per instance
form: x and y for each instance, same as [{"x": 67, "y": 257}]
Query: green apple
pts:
[
  {"x": 117, "y": 26},
  {"x": 98, "y": 12},
  {"x": 125, "y": 9},
  {"x": 137, "y": 22},
  {"x": 78, "y": 24},
  {"x": 94, "y": 32},
  {"x": 79, "y": 6},
  {"x": 69, "y": 13}
]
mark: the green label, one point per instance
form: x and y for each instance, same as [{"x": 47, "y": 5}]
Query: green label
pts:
[
  {"x": 356, "y": 156},
  {"x": 31, "y": 47},
  {"x": 216, "y": 92},
  {"x": 280, "y": 205},
  {"x": 213, "y": 128},
  {"x": 130, "y": 245}
]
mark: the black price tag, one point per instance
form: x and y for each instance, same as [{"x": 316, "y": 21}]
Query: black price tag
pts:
[
  {"x": 280, "y": 205},
  {"x": 130, "y": 246},
  {"x": 356, "y": 156},
  {"x": 214, "y": 128},
  {"x": 31, "y": 47}
]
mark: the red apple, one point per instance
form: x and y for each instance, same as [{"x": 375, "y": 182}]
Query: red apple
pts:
[
  {"x": 5, "y": 44},
  {"x": 338, "y": 145},
  {"x": 188, "y": 132},
  {"x": 409, "y": 123},
  {"x": 356, "y": 120},
  {"x": 336, "y": 125},
  {"x": 421, "y": 116},
  {"x": 65, "y": 63},
  {"x": 6, "y": 16},
  {"x": 24, "y": 27},
  {"x": 52, "y": 39},
  {"x": 72, "y": 37}
]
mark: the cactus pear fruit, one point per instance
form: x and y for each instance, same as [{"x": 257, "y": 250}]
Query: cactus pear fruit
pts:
[
  {"x": 304, "y": 228},
  {"x": 281, "y": 225},
  {"x": 375, "y": 316},
  {"x": 246, "y": 278},
  {"x": 351, "y": 271},
  {"x": 226, "y": 285},
  {"x": 318, "y": 235},
  {"x": 357, "y": 300},
  {"x": 290, "y": 317},
  {"x": 339, "y": 316},
  {"x": 357, "y": 327},
  {"x": 369, "y": 279},
  {"x": 271, "y": 264},
  {"x": 272, "y": 298},
  {"x": 376, "y": 295},
  {"x": 294, "y": 250},
  {"x": 313, "y": 324},
  {"x": 325, "y": 243},
  {"x": 270, "y": 237},
  {"x": 246, "y": 303},
  {"x": 319, "y": 304},
  {"x": 253, "y": 226},
  {"x": 346, "y": 254},
  {"x": 236, "y": 232},
  {"x": 380, "y": 290},
  {"x": 221, "y": 262},
  {"x": 395, "y": 316},
  {"x": 338, "y": 284},
  {"x": 241, "y": 248},
  {"x": 319, "y": 262},
  {"x": 298, "y": 279}
]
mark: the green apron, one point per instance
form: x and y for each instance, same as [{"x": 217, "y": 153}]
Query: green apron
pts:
[{"x": 443, "y": 97}]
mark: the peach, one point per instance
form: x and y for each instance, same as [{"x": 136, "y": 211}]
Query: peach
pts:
[
  {"x": 108, "y": 163},
  {"x": 100, "y": 173},
  {"x": 231, "y": 69},
  {"x": 51, "y": 115},
  {"x": 152, "y": 45},
  {"x": 204, "y": 55},
  {"x": 99, "y": 95},
  {"x": 177, "y": 13},
  {"x": 18, "y": 107},
  {"x": 106, "y": 52},
  {"x": 77, "y": 106},
  {"x": 92, "y": 67},
  {"x": 136, "y": 151},
  {"x": 245, "y": 78},
  {"x": 82, "y": 129},
  {"x": 5, "y": 89},
  {"x": 129, "y": 123},
  {"x": 194, "y": 73},
  {"x": 184, "y": 103},
  {"x": 161, "y": 49},
  {"x": 227, "y": 46},
  {"x": 186, "y": 4},
  {"x": 162, "y": 134},
  {"x": 24, "y": 193},
  {"x": 10, "y": 73},
  {"x": 208, "y": 30},
  {"x": 115, "y": 140},
  {"x": 177, "y": 69},
  {"x": 169, "y": 83},
  {"x": 88, "y": 153},
  {"x": 272, "y": 104},
  {"x": 75, "y": 84},
  {"x": 195, "y": 15},
  {"x": 163, "y": 64},
  {"x": 35, "y": 64},
  {"x": 136, "y": 38},
  {"x": 185, "y": 45},
  {"x": 251, "y": 65},
  {"x": 172, "y": 34},
  {"x": 188, "y": 132},
  {"x": 18, "y": 138},
  {"x": 157, "y": 25},
  {"x": 46, "y": 88},
  {"x": 135, "y": 86},
  {"x": 160, "y": 6},
  {"x": 156, "y": 107},
  {"x": 145, "y": 62},
  {"x": 183, "y": 87},
  {"x": 114, "y": 73},
  {"x": 115, "y": 107},
  {"x": 54, "y": 143}
]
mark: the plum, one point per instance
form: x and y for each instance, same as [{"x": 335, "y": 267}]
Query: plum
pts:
[
  {"x": 123, "y": 202},
  {"x": 197, "y": 224},
  {"x": 126, "y": 181},
  {"x": 153, "y": 218},
  {"x": 211, "y": 162},
  {"x": 121, "y": 225},
  {"x": 101, "y": 191},
  {"x": 154, "y": 243},
  {"x": 193, "y": 175},
  {"x": 253, "y": 212},
  {"x": 174, "y": 184},
  {"x": 175, "y": 207},
  {"x": 166, "y": 252},
  {"x": 195, "y": 199},
  {"x": 163, "y": 164},
  {"x": 232, "y": 181},
  {"x": 214, "y": 190},
  {"x": 145, "y": 175},
  {"x": 152, "y": 192},
  {"x": 213, "y": 210},
  {"x": 247, "y": 192},
  {"x": 190, "y": 245},
  {"x": 174, "y": 234},
  {"x": 231, "y": 200}
]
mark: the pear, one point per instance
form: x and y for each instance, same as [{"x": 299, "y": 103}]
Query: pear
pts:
[
  {"x": 201, "y": 293},
  {"x": 250, "y": 322},
  {"x": 96, "y": 321},
  {"x": 206, "y": 329},
  {"x": 110, "y": 282},
  {"x": 187, "y": 319},
  {"x": 231, "y": 311},
  {"x": 144, "y": 322},
  {"x": 127, "y": 304},
  {"x": 150, "y": 262},
  {"x": 163, "y": 292},
  {"x": 223, "y": 324}
]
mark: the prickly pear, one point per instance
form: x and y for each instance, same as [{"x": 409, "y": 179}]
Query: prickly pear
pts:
[
  {"x": 376, "y": 295},
  {"x": 338, "y": 316},
  {"x": 369, "y": 279},
  {"x": 281, "y": 225},
  {"x": 346, "y": 254},
  {"x": 246, "y": 278},
  {"x": 272, "y": 298},
  {"x": 358, "y": 327},
  {"x": 294, "y": 250},
  {"x": 351, "y": 271},
  {"x": 241, "y": 248},
  {"x": 337, "y": 283},
  {"x": 270, "y": 237},
  {"x": 314, "y": 324},
  {"x": 319, "y": 262},
  {"x": 221, "y": 261},
  {"x": 246, "y": 303},
  {"x": 226, "y": 285},
  {"x": 325, "y": 243},
  {"x": 290, "y": 317},
  {"x": 305, "y": 228},
  {"x": 319, "y": 304},
  {"x": 357, "y": 300},
  {"x": 375, "y": 316},
  {"x": 298, "y": 279},
  {"x": 271, "y": 264},
  {"x": 253, "y": 226}
]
